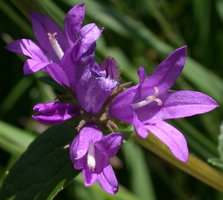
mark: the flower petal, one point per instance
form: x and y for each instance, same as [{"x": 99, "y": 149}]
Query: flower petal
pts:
[
  {"x": 89, "y": 177},
  {"x": 139, "y": 127},
  {"x": 84, "y": 58},
  {"x": 55, "y": 112},
  {"x": 69, "y": 68},
  {"x": 42, "y": 25},
  {"x": 170, "y": 136},
  {"x": 142, "y": 77},
  {"x": 73, "y": 21},
  {"x": 141, "y": 74},
  {"x": 79, "y": 147},
  {"x": 110, "y": 67},
  {"x": 110, "y": 144},
  {"x": 167, "y": 72},
  {"x": 88, "y": 35},
  {"x": 57, "y": 73},
  {"x": 28, "y": 48},
  {"x": 32, "y": 66},
  {"x": 178, "y": 104},
  {"x": 186, "y": 103},
  {"x": 101, "y": 160},
  {"x": 107, "y": 180},
  {"x": 120, "y": 107},
  {"x": 65, "y": 72}
]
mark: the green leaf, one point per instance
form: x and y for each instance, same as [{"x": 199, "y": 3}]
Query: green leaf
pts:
[
  {"x": 44, "y": 169},
  {"x": 220, "y": 142},
  {"x": 16, "y": 18},
  {"x": 141, "y": 182},
  {"x": 216, "y": 162},
  {"x": 219, "y": 7},
  {"x": 13, "y": 139},
  {"x": 15, "y": 94}
]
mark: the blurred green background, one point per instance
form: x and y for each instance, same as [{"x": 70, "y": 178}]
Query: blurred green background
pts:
[{"x": 136, "y": 33}]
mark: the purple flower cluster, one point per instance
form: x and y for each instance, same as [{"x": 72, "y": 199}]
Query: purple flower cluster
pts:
[{"x": 98, "y": 98}]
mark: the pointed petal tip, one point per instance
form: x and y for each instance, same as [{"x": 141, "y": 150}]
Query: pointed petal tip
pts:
[
  {"x": 107, "y": 180},
  {"x": 185, "y": 160},
  {"x": 79, "y": 8},
  {"x": 89, "y": 177},
  {"x": 113, "y": 191},
  {"x": 182, "y": 155},
  {"x": 81, "y": 5},
  {"x": 102, "y": 29},
  {"x": 182, "y": 158},
  {"x": 8, "y": 47},
  {"x": 37, "y": 107},
  {"x": 182, "y": 50},
  {"x": 141, "y": 74}
]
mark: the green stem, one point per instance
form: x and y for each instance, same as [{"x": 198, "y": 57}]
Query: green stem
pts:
[{"x": 195, "y": 167}]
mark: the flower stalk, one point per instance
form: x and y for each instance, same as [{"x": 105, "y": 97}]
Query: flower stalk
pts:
[{"x": 195, "y": 167}]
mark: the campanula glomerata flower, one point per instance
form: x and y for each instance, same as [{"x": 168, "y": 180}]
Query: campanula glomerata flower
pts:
[
  {"x": 97, "y": 97},
  {"x": 48, "y": 54},
  {"x": 90, "y": 151},
  {"x": 149, "y": 103}
]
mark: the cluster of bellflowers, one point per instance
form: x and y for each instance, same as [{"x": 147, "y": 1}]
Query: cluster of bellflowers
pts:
[{"x": 100, "y": 100}]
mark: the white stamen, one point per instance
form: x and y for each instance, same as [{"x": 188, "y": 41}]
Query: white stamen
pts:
[
  {"x": 55, "y": 45},
  {"x": 148, "y": 100},
  {"x": 66, "y": 146},
  {"x": 91, "y": 161}
]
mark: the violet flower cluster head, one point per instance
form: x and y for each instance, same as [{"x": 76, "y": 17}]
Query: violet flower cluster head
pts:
[
  {"x": 97, "y": 96},
  {"x": 69, "y": 60}
]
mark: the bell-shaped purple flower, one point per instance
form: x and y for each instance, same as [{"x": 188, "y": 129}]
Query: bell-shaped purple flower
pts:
[
  {"x": 48, "y": 54},
  {"x": 96, "y": 84},
  {"x": 90, "y": 151},
  {"x": 55, "y": 112},
  {"x": 147, "y": 104}
]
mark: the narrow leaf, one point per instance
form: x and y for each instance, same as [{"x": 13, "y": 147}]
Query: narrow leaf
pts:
[
  {"x": 141, "y": 182},
  {"x": 13, "y": 139},
  {"x": 216, "y": 162}
]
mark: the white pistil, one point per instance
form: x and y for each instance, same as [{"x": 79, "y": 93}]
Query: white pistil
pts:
[
  {"x": 55, "y": 45},
  {"x": 148, "y": 100},
  {"x": 91, "y": 161}
]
